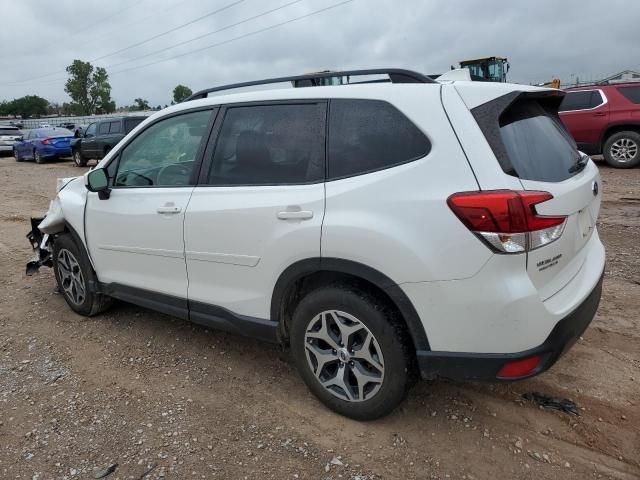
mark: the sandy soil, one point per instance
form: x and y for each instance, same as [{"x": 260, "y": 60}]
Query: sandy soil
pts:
[{"x": 164, "y": 398}]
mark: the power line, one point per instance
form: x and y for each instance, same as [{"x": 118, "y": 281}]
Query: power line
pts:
[
  {"x": 191, "y": 22},
  {"x": 255, "y": 32},
  {"x": 166, "y": 32},
  {"x": 239, "y": 37},
  {"x": 103, "y": 20},
  {"x": 162, "y": 50},
  {"x": 227, "y": 27}
]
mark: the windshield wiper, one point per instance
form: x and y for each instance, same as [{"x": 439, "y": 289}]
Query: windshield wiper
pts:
[{"x": 580, "y": 164}]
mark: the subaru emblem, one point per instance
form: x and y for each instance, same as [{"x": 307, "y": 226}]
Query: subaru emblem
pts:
[{"x": 594, "y": 188}]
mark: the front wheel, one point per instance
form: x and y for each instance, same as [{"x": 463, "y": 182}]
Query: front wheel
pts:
[
  {"x": 78, "y": 159},
  {"x": 622, "y": 149},
  {"x": 16, "y": 155},
  {"x": 38, "y": 157},
  {"x": 75, "y": 277},
  {"x": 351, "y": 352}
]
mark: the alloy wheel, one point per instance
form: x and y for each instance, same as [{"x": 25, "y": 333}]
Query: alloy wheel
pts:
[
  {"x": 344, "y": 356},
  {"x": 71, "y": 278},
  {"x": 624, "y": 150}
]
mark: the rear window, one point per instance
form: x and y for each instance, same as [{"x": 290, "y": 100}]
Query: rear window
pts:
[
  {"x": 537, "y": 145},
  {"x": 581, "y": 100},
  {"x": 9, "y": 131},
  {"x": 131, "y": 123},
  {"x": 54, "y": 132},
  {"x": 370, "y": 135},
  {"x": 631, "y": 93}
]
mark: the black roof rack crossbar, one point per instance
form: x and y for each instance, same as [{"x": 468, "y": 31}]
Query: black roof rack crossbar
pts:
[{"x": 396, "y": 75}]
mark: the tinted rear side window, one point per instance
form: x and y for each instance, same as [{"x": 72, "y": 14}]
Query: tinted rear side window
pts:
[
  {"x": 270, "y": 145},
  {"x": 370, "y": 135},
  {"x": 580, "y": 100},
  {"x": 631, "y": 93},
  {"x": 131, "y": 123},
  {"x": 537, "y": 146}
]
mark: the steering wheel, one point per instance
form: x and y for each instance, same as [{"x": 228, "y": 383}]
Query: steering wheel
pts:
[{"x": 174, "y": 174}]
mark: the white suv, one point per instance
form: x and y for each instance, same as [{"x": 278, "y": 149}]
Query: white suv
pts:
[{"x": 380, "y": 230}]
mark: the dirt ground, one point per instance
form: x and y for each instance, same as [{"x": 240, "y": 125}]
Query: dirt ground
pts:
[{"x": 161, "y": 397}]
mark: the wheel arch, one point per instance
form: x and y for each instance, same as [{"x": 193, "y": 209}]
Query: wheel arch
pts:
[
  {"x": 311, "y": 273},
  {"x": 614, "y": 128}
]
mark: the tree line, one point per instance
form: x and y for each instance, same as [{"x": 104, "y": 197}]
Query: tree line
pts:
[{"x": 90, "y": 92}]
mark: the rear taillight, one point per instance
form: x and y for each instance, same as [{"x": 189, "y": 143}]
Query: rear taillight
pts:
[{"x": 506, "y": 219}]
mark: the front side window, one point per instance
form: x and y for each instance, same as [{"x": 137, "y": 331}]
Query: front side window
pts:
[
  {"x": 164, "y": 154},
  {"x": 114, "y": 127},
  {"x": 370, "y": 135},
  {"x": 91, "y": 130},
  {"x": 270, "y": 145}
]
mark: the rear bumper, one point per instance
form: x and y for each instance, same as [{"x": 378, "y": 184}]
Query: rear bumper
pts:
[{"x": 485, "y": 366}]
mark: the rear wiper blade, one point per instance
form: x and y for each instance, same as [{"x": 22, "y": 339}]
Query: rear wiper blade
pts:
[{"x": 580, "y": 164}]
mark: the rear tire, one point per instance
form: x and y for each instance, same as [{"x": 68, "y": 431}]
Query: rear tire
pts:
[
  {"x": 622, "y": 149},
  {"x": 37, "y": 157},
  {"x": 78, "y": 159},
  {"x": 351, "y": 351},
  {"x": 76, "y": 279}
]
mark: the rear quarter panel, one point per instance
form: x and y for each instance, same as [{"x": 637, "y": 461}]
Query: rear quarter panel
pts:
[{"x": 397, "y": 220}]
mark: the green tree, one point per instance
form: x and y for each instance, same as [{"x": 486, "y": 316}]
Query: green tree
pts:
[
  {"x": 180, "y": 93},
  {"x": 141, "y": 104},
  {"x": 89, "y": 88},
  {"x": 71, "y": 109},
  {"x": 25, "y": 107}
]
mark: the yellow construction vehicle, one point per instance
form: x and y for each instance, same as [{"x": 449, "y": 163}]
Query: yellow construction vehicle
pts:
[{"x": 487, "y": 69}]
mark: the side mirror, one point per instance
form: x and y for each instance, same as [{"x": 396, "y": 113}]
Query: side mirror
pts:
[{"x": 97, "y": 180}]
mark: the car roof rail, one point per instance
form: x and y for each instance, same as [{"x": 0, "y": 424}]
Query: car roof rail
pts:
[{"x": 396, "y": 75}]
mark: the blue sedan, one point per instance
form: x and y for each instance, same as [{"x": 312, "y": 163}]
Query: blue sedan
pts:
[{"x": 41, "y": 144}]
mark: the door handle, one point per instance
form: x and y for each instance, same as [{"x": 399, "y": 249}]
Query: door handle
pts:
[
  {"x": 295, "y": 215},
  {"x": 168, "y": 209},
  {"x": 599, "y": 114}
]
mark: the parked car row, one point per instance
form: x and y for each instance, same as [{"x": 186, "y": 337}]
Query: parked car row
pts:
[{"x": 81, "y": 142}]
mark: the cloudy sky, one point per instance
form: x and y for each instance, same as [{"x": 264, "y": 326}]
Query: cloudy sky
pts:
[{"x": 147, "y": 49}]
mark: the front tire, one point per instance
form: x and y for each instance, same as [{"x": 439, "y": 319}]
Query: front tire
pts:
[
  {"x": 622, "y": 149},
  {"x": 351, "y": 352},
  {"x": 78, "y": 159},
  {"x": 37, "y": 156},
  {"x": 75, "y": 277},
  {"x": 16, "y": 155}
]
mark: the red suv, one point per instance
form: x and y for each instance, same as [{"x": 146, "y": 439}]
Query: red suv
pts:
[{"x": 605, "y": 119}]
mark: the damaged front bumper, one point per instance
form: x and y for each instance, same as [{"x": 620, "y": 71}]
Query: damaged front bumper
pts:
[{"x": 41, "y": 246}]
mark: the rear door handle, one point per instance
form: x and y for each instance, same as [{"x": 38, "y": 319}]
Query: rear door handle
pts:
[
  {"x": 168, "y": 209},
  {"x": 295, "y": 215}
]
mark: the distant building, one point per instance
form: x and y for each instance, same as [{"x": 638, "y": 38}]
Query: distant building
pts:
[{"x": 624, "y": 76}]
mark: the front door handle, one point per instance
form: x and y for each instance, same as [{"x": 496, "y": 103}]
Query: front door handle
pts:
[
  {"x": 168, "y": 209},
  {"x": 599, "y": 114},
  {"x": 295, "y": 215}
]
